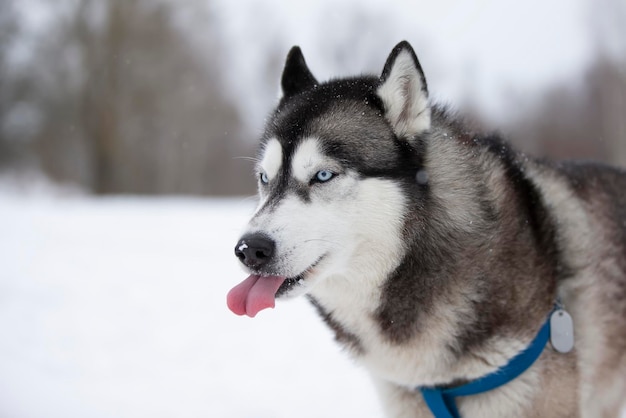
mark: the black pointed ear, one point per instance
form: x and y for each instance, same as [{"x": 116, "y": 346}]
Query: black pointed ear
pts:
[
  {"x": 404, "y": 93},
  {"x": 296, "y": 76}
]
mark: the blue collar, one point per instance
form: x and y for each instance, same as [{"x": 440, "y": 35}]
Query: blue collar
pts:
[{"x": 441, "y": 400}]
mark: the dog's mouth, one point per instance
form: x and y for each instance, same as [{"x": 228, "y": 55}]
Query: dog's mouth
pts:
[
  {"x": 259, "y": 292},
  {"x": 292, "y": 282}
]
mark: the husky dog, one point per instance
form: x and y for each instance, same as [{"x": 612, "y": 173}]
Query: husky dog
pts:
[{"x": 435, "y": 252}]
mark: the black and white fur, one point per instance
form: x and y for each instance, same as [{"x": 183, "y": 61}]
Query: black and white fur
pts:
[{"x": 436, "y": 252}]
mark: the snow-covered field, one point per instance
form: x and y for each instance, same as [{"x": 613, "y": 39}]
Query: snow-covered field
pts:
[{"x": 116, "y": 308}]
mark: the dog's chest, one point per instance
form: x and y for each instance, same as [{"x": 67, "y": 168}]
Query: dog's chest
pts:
[{"x": 352, "y": 317}]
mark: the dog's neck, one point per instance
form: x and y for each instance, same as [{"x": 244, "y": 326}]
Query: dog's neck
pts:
[
  {"x": 441, "y": 400},
  {"x": 452, "y": 301}
]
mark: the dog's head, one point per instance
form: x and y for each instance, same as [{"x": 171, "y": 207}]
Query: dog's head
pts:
[{"x": 336, "y": 165}]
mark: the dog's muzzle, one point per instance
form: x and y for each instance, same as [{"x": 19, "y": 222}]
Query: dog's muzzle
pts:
[{"x": 258, "y": 291}]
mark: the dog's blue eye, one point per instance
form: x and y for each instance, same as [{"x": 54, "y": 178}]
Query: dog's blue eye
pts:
[
  {"x": 264, "y": 178},
  {"x": 324, "y": 175}
]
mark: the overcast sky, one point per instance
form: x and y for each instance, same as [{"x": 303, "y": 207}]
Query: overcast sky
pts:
[{"x": 487, "y": 49}]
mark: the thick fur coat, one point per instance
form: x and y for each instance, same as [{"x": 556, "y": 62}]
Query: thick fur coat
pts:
[{"x": 436, "y": 252}]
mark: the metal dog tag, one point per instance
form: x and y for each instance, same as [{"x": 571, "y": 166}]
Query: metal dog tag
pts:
[{"x": 561, "y": 331}]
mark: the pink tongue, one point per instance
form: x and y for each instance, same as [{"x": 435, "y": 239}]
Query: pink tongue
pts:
[{"x": 254, "y": 294}]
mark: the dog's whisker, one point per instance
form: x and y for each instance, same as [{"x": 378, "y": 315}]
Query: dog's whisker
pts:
[
  {"x": 247, "y": 199},
  {"x": 251, "y": 159},
  {"x": 323, "y": 240}
]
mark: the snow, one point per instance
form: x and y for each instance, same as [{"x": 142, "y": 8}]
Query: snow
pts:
[{"x": 116, "y": 307}]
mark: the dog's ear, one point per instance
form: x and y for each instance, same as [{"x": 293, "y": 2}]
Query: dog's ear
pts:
[
  {"x": 296, "y": 76},
  {"x": 404, "y": 93}
]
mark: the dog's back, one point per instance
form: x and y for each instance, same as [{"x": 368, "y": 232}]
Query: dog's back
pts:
[{"x": 588, "y": 201}]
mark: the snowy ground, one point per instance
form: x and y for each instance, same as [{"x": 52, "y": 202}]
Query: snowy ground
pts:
[{"x": 116, "y": 308}]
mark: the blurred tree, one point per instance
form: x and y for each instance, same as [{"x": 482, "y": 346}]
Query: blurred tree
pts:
[
  {"x": 587, "y": 119},
  {"x": 581, "y": 120},
  {"x": 129, "y": 108},
  {"x": 8, "y": 30},
  {"x": 125, "y": 96},
  {"x": 607, "y": 90}
]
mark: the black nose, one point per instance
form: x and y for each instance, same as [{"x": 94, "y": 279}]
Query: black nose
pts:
[{"x": 255, "y": 250}]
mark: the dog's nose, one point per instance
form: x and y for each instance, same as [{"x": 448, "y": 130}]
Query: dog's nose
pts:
[{"x": 254, "y": 250}]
